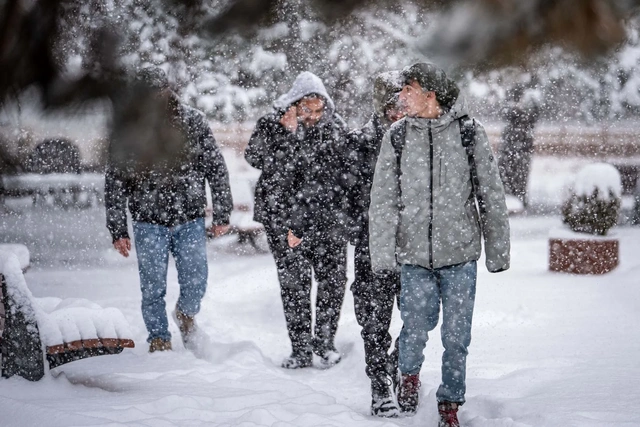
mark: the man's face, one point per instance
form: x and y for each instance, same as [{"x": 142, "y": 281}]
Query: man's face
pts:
[
  {"x": 394, "y": 113},
  {"x": 310, "y": 111},
  {"x": 412, "y": 99}
]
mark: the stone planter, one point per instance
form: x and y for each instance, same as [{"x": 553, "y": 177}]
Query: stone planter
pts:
[{"x": 580, "y": 253}]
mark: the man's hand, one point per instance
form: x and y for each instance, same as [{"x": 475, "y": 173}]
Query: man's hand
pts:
[
  {"x": 293, "y": 240},
  {"x": 218, "y": 230},
  {"x": 123, "y": 246},
  {"x": 290, "y": 119}
]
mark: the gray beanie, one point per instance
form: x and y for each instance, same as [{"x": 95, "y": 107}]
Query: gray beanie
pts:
[
  {"x": 386, "y": 88},
  {"x": 432, "y": 78}
]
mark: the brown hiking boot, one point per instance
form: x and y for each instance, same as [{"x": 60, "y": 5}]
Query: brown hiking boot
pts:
[
  {"x": 186, "y": 324},
  {"x": 158, "y": 344},
  {"x": 408, "y": 393},
  {"x": 448, "y": 414},
  {"x": 382, "y": 402}
]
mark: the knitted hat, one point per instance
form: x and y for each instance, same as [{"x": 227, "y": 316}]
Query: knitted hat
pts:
[{"x": 432, "y": 78}]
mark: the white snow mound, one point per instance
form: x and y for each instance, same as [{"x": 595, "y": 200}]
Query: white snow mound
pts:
[{"x": 601, "y": 176}]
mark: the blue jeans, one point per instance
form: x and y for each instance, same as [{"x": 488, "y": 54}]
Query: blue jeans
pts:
[
  {"x": 420, "y": 295},
  {"x": 187, "y": 244}
]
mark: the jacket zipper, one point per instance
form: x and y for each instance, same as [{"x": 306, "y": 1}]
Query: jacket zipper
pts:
[{"x": 430, "y": 198}]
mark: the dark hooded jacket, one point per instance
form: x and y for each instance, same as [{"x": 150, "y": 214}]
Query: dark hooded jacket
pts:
[
  {"x": 274, "y": 150},
  {"x": 300, "y": 187},
  {"x": 176, "y": 196},
  {"x": 320, "y": 209},
  {"x": 363, "y": 147}
]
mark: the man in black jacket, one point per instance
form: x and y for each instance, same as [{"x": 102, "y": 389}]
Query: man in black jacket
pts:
[
  {"x": 167, "y": 204},
  {"x": 373, "y": 295},
  {"x": 298, "y": 200}
]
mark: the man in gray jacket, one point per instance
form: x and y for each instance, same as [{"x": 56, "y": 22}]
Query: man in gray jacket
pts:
[{"x": 433, "y": 167}]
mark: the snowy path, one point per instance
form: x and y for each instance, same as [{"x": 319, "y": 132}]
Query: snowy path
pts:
[{"x": 547, "y": 350}]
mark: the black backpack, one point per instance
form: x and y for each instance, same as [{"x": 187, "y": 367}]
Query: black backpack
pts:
[{"x": 468, "y": 137}]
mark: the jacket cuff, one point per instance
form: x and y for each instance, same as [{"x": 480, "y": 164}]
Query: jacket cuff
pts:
[
  {"x": 498, "y": 269},
  {"x": 220, "y": 220},
  {"x": 297, "y": 231},
  {"x": 119, "y": 235}
]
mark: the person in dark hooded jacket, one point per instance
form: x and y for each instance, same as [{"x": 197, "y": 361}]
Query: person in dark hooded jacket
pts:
[
  {"x": 302, "y": 206},
  {"x": 167, "y": 203},
  {"x": 373, "y": 296}
]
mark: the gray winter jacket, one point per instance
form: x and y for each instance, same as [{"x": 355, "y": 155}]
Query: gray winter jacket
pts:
[{"x": 425, "y": 213}]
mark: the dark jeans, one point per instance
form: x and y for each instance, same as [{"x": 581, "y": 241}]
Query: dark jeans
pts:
[
  {"x": 328, "y": 259},
  {"x": 373, "y": 302}
]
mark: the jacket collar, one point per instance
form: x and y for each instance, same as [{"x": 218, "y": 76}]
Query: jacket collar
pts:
[{"x": 457, "y": 110}]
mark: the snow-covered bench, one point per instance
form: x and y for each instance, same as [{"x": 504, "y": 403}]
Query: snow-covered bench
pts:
[
  {"x": 20, "y": 251},
  {"x": 60, "y": 330},
  {"x": 64, "y": 188}
]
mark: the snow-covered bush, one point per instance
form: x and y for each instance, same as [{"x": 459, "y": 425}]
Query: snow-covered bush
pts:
[{"x": 594, "y": 202}]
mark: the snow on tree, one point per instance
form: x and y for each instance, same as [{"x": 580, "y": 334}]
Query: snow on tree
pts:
[
  {"x": 595, "y": 199},
  {"x": 235, "y": 75}
]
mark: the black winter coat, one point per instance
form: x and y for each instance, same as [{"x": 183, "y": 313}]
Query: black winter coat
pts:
[
  {"x": 175, "y": 197},
  {"x": 274, "y": 150},
  {"x": 301, "y": 186},
  {"x": 363, "y": 147},
  {"x": 320, "y": 209}
]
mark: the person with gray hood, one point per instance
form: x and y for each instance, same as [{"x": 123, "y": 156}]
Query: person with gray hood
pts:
[
  {"x": 299, "y": 200},
  {"x": 373, "y": 296},
  {"x": 436, "y": 192}
]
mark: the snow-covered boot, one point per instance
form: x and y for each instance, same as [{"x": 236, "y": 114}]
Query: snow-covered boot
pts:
[
  {"x": 329, "y": 356},
  {"x": 448, "y": 414},
  {"x": 158, "y": 344},
  {"x": 382, "y": 403},
  {"x": 408, "y": 393},
  {"x": 186, "y": 324},
  {"x": 298, "y": 360}
]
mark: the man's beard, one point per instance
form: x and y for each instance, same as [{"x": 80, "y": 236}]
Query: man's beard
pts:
[{"x": 308, "y": 123}]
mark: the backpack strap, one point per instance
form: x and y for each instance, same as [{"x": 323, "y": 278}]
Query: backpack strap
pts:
[
  {"x": 398, "y": 138},
  {"x": 468, "y": 137}
]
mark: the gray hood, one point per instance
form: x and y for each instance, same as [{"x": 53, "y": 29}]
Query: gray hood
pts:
[{"x": 305, "y": 84}]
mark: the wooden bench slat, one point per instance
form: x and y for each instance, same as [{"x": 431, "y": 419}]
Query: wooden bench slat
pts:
[{"x": 94, "y": 343}]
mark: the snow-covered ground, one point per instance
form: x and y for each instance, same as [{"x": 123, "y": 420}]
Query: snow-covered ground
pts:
[{"x": 548, "y": 349}]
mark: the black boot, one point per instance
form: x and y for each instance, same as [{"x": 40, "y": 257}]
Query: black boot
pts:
[
  {"x": 382, "y": 403},
  {"x": 329, "y": 356}
]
